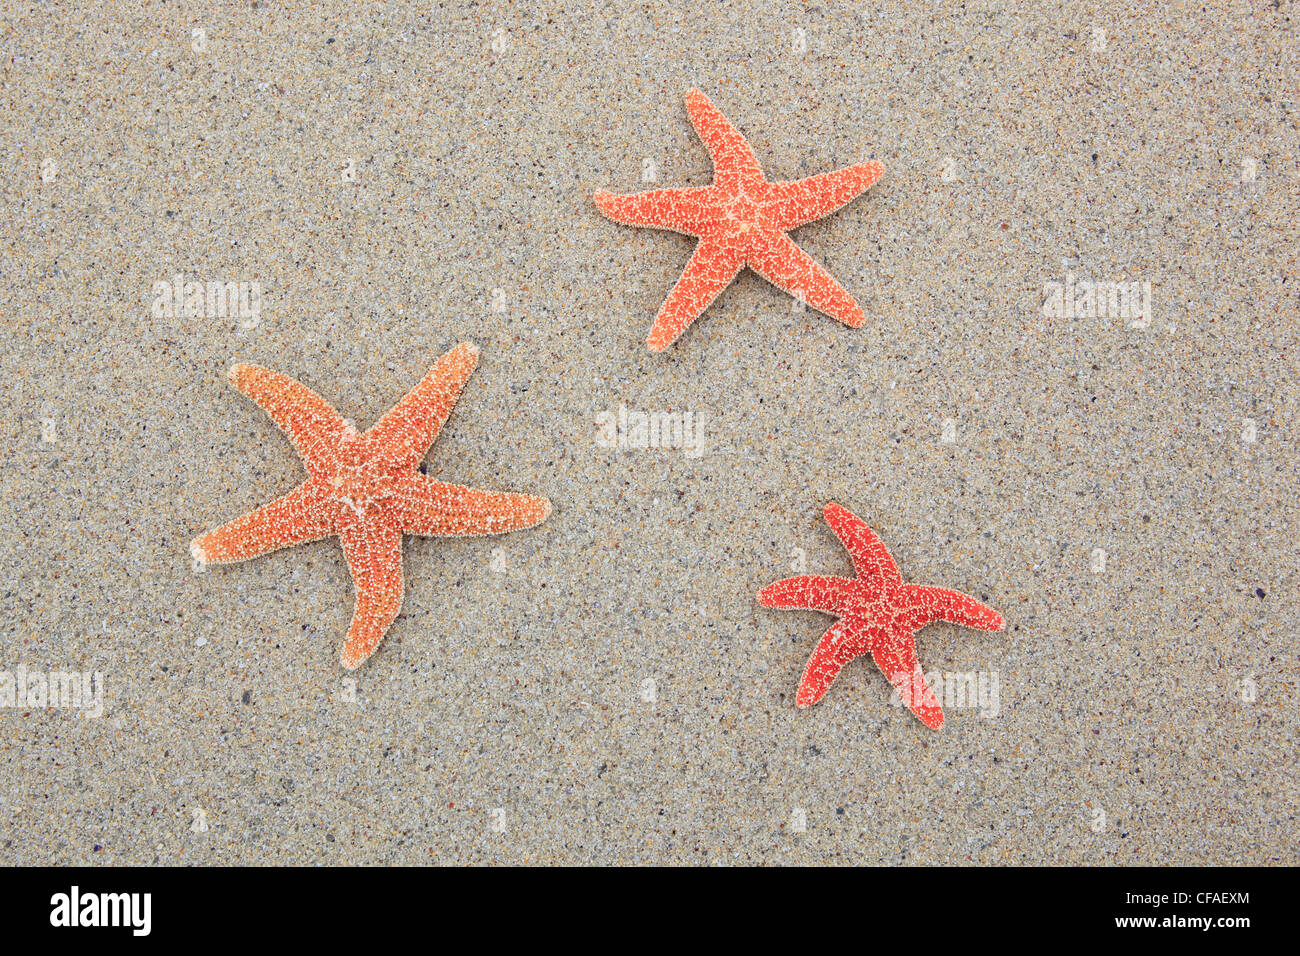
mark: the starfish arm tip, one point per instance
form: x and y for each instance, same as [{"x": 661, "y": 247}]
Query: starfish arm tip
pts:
[
  {"x": 806, "y": 697},
  {"x": 196, "y": 551},
  {"x": 236, "y": 372},
  {"x": 776, "y": 595},
  {"x": 608, "y": 204},
  {"x": 350, "y": 659},
  {"x": 528, "y": 512},
  {"x": 661, "y": 337}
]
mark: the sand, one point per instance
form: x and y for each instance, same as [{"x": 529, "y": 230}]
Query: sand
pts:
[{"x": 605, "y": 688}]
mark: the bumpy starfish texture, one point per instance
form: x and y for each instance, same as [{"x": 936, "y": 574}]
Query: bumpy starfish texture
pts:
[
  {"x": 366, "y": 489},
  {"x": 878, "y": 614},
  {"x": 741, "y": 220}
]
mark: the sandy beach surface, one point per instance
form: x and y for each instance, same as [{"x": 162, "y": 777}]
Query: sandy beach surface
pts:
[{"x": 385, "y": 182}]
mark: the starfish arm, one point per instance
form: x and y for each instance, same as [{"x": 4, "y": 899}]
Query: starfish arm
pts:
[
  {"x": 844, "y": 641},
  {"x": 374, "y": 556},
  {"x": 792, "y": 204},
  {"x": 734, "y": 162},
  {"x": 871, "y": 559},
  {"x": 300, "y": 516},
  {"x": 809, "y": 592},
  {"x": 943, "y": 604},
  {"x": 403, "y": 436},
  {"x": 311, "y": 423},
  {"x": 782, "y": 263},
  {"x": 687, "y": 211},
  {"x": 896, "y": 658},
  {"x": 712, "y": 267},
  {"x": 436, "y": 509}
]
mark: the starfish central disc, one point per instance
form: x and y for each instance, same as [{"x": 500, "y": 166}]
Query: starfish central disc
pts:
[
  {"x": 364, "y": 487},
  {"x": 744, "y": 211}
]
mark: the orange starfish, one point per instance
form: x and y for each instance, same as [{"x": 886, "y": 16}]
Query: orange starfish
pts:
[
  {"x": 741, "y": 220},
  {"x": 877, "y": 613},
  {"x": 366, "y": 489}
]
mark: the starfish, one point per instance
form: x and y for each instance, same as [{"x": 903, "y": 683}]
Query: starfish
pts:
[
  {"x": 366, "y": 489},
  {"x": 741, "y": 220},
  {"x": 878, "y": 614}
]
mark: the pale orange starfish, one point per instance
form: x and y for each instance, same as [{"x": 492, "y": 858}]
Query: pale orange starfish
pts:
[
  {"x": 367, "y": 489},
  {"x": 741, "y": 220},
  {"x": 878, "y": 615}
]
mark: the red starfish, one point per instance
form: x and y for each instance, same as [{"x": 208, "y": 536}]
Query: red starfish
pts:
[
  {"x": 741, "y": 220},
  {"x": 877, "y": 613},
  {"x": 366, "y": 489}
]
